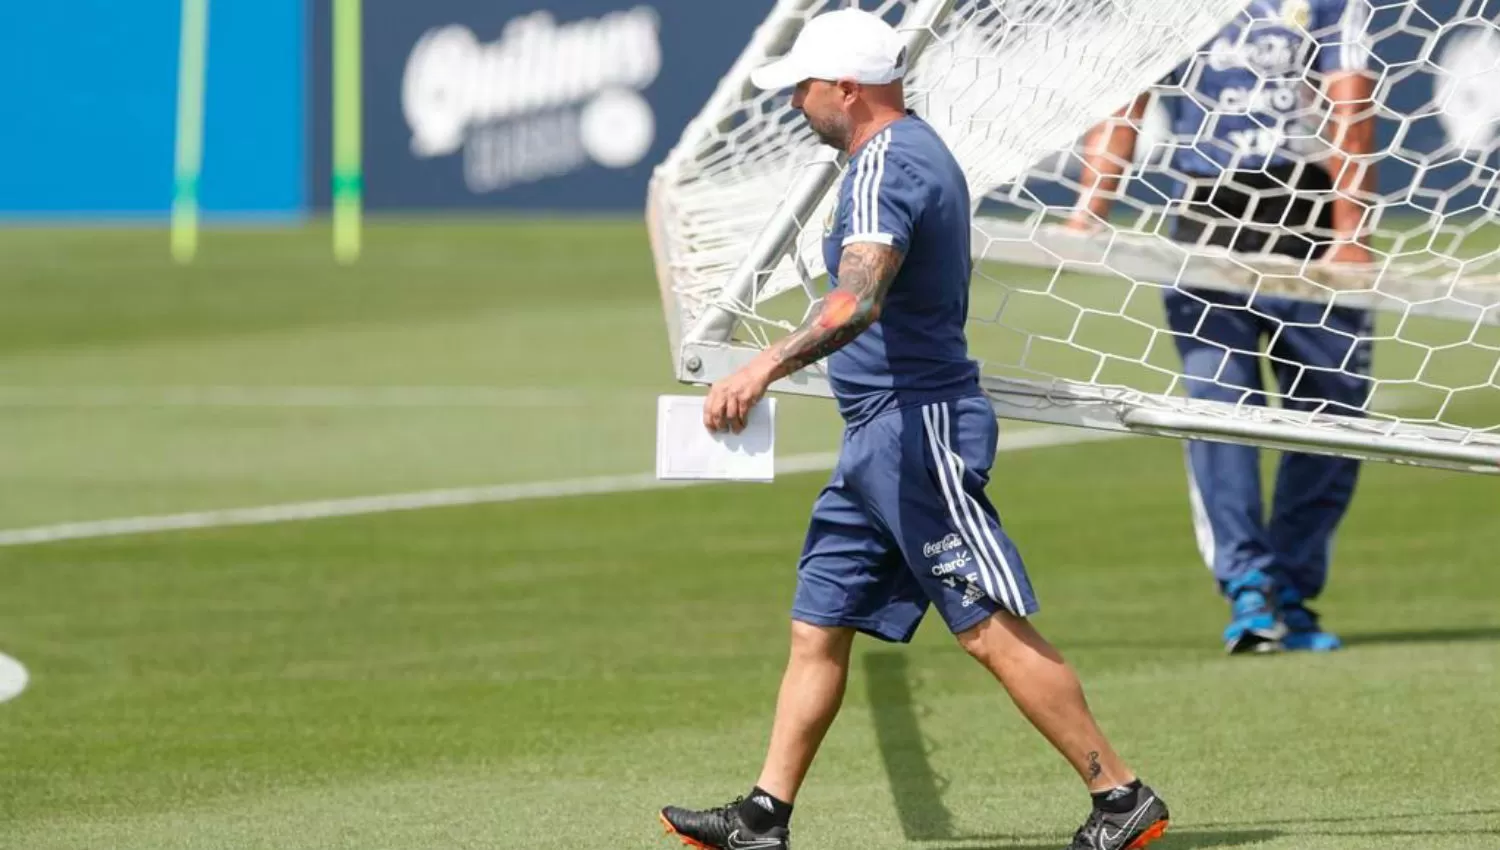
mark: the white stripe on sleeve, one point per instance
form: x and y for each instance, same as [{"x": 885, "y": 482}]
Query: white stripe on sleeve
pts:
[
  {"x": 866, "y": 192},
  {"x": 879, "y": 238},
  {"x": 856, "y": 195},
  {"x": 885, "y": 142}
]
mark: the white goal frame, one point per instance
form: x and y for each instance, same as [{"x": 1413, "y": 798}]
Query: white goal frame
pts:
[{"x": 704, "y": 349}]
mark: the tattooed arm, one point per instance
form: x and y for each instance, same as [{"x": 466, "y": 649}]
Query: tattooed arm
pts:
[{"x": 866, "y": 270}]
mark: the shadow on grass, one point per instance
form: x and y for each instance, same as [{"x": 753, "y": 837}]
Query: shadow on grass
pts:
[
  {"x": 916, "y": 789},
  {"x": 1462, "y": 635},
  {"x": 1407, "y": 833},
  {"x": 1210, "y": 647},
  {"x": 1370, "y": 818},
  {"x": 1249, "y": 834},
  {"x": 1188, "y": 838}
]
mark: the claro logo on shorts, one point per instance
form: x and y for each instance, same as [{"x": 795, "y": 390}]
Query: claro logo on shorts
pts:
[
  {"x": 958, "y": 562},
  {"x": 542, "y": 100},
  {"x": 938, "y": 547}
]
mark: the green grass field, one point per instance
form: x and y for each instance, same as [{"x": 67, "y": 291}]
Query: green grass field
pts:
[{"x": 546, "y": 673}]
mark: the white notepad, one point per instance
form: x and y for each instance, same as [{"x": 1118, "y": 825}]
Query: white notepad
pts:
[{"x": 686, "y": 449}]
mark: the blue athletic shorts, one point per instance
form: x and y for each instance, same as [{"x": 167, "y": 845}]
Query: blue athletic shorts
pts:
[{"x": 904, "y": 523}]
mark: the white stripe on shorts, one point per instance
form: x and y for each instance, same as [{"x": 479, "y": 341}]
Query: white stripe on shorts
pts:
[
  {"x": 933, "y": 419},
  {"x": 1005, "y": 567}
]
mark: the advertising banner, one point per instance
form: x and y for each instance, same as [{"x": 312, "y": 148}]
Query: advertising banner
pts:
[{"x": 558, "y": 106}]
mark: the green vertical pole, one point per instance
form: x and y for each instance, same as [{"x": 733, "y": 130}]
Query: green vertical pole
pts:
[
  {"x": 348, "y": 170},
  {"x": 191, "y": 64}
]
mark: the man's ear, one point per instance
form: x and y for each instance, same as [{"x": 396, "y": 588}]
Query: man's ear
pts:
[{"x": 850, "y": 90}]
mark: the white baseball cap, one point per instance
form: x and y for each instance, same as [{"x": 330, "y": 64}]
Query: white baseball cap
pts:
[{"x": 847, "y": 44}]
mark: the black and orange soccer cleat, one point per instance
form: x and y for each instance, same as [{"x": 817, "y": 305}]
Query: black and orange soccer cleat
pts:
[
  {"x": 721, "y": 829},
  {"x": 1142, "y": 824}
]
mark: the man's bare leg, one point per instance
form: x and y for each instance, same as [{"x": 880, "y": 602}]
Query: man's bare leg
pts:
[
  {"x": 1126, "y": 815},
  {"x": 1048, "y": 692},
  {"x": 812, "y": 689}
]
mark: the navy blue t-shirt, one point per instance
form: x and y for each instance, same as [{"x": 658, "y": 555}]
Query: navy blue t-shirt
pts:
[
  {"x": 904, "y": 188},
  {"x": 1244, "y": 101}
]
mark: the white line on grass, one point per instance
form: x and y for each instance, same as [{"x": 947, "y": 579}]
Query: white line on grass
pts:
[
  {"x": 13, "y": 678},
  {"x": 297, "y": 396},
  {"x": 300, "y": 511}
]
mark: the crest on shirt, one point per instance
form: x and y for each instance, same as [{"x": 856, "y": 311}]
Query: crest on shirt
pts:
[{"x": 1296, "y": 13}]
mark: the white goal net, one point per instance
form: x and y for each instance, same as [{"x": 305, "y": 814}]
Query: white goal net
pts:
[{"x": 1070, "y": 325}]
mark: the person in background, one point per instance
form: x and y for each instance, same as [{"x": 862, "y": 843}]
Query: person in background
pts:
[{"x": 1238, "y": 111}]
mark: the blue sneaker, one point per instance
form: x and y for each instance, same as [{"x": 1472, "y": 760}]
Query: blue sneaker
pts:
[
  {"x": 1255, "y": 625},
  {"x": 1303, "y": 633}
]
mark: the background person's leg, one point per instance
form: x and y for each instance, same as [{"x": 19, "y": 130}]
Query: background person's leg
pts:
[
  {"x": 1219, "y": 340},
  {"x": 1218, "y": 336},
  {"x": 1320, "y": 355},
  {"x": 1320, "y": 359}
]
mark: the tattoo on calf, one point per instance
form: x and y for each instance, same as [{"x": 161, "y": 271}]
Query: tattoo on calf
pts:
[{"x": 1094, "y": 768}]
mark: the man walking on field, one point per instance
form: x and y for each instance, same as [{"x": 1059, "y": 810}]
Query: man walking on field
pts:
[{"x": 904, "y": 522}]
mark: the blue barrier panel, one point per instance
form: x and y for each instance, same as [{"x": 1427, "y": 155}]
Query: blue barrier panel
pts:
[
  {"x": 93, "y": 99},
  {"x": 93, "y": 85},
  {"x": 254, "y": 146},
  {"x": 557, "y": 105}
]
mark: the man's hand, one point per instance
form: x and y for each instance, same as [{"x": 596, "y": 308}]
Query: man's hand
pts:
[
  {"x": 1081, "y": 221},
  {"x": 1348, "y": 252},
  {"x": 730, "y": 400}
]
